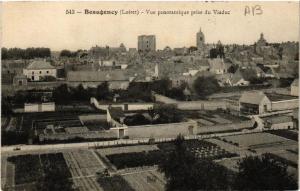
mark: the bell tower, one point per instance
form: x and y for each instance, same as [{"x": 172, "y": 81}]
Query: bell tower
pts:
[{"x": 200, "y": 40}]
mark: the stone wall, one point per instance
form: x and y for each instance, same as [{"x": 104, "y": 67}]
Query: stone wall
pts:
[{"x": 170, "y": 130}]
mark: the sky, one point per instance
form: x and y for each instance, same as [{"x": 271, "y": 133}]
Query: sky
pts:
[{"x": 46, "y": 24}]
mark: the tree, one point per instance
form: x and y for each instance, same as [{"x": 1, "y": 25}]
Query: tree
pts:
[
  {"x": 137, "y": 119},
  {"x": 6, "y": 106},
  {"x": 192, "y": 49},
  {"x": 102, "y": 91},
  {"x": 161, "y": 86},
  {"x": 176, "y": 93},
  {"x": 80, "y": 94},
  {"x": 233, "y": 68},
  {"x": 205, "y": 86},
  {"x": 263, "y": 173},
  {"x": 184, "y": 171},
  {"x": 67, "y": 53},
  {"x": 61, "y": 94},
  {"x": 164, "y": 114},
  {"x": 249, "y": 74}
]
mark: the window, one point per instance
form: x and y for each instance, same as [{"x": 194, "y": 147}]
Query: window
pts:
[
  {"x": 47, "y": 72},
  {"x": 32, "y": 72},
  {"x": 40, "y": 72}
]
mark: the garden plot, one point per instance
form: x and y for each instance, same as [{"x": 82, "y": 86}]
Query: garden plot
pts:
[
  {"x": 146, "y": 181},
  {"x": 258, "y": 140},
  {"x": 23, "y": 171},
  {"x": 204, "y": 122},
  {"x": 273, "y": 148},
  {"x": 83, "y": 165},
  {"x": 87, "y": 183},
  {"x": 202, "y": 149},
  {"x": 221, "y": 120}
]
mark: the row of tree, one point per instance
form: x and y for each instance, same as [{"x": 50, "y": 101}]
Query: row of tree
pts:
[
  {"x": 28, "y": 53},
  {"x": 184, "y": 171}
]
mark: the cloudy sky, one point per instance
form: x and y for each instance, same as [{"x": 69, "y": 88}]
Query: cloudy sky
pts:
[{"x": 36, "y": 24}]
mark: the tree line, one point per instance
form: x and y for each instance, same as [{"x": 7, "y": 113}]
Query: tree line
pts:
[
  {"x": 28, "y": 53},
  {"x": 184, "y": 171}
]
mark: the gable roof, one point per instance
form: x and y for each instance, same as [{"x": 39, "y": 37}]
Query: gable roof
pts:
[
  {"x": 39, "y": 65},
  {"x": 96, "y": 76},
  {"x": 253, "y": 97},
  {"x": 236, "y": 77}
]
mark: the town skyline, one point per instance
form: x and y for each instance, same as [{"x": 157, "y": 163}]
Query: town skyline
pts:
[{"x": 75, "y": 32}]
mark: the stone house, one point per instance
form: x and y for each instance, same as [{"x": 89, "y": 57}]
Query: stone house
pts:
[{"x": 38, "y": 69}]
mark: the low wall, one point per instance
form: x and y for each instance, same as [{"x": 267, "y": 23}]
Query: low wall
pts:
[
  {"x": 92, "y": 117},
  {"x": 225, "y": 127},
  {"x": 28, "y": 107},
  {"x": 201, "y": 105},
  {"x": 192, "y": 105},
  {"x": 285, "y": 105},
  {"x": 170, "y": 130},
  {"x": 164, "y": 99},
  {"x": 47, "y": 107},
  {"x": 90, "y": 135},
  {"x": 39, "y": 107},
  {"x": 287, "y": 125},
  {"x": 124, "y": 106}
]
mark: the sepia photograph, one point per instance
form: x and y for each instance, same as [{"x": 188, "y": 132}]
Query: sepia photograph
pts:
[{"x": 149, "y": 96}]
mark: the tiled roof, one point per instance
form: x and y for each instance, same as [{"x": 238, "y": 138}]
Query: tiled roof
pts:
[
  {"x": 96, "y": 76},
  {"x": 39, "y": 64},
  {"x": 252, "y": 97}
]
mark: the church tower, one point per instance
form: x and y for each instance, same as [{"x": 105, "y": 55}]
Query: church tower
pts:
[{"x": 200, "y": 40}]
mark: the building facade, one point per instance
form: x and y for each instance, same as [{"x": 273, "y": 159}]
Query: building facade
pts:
[{"x": 146, "y": 43}]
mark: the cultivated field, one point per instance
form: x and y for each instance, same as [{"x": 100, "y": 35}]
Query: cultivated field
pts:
[
  {"x": 22, "y": 171},
  {"x": 257, "y": 140},
  {"x": 83, "y": 165}
]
